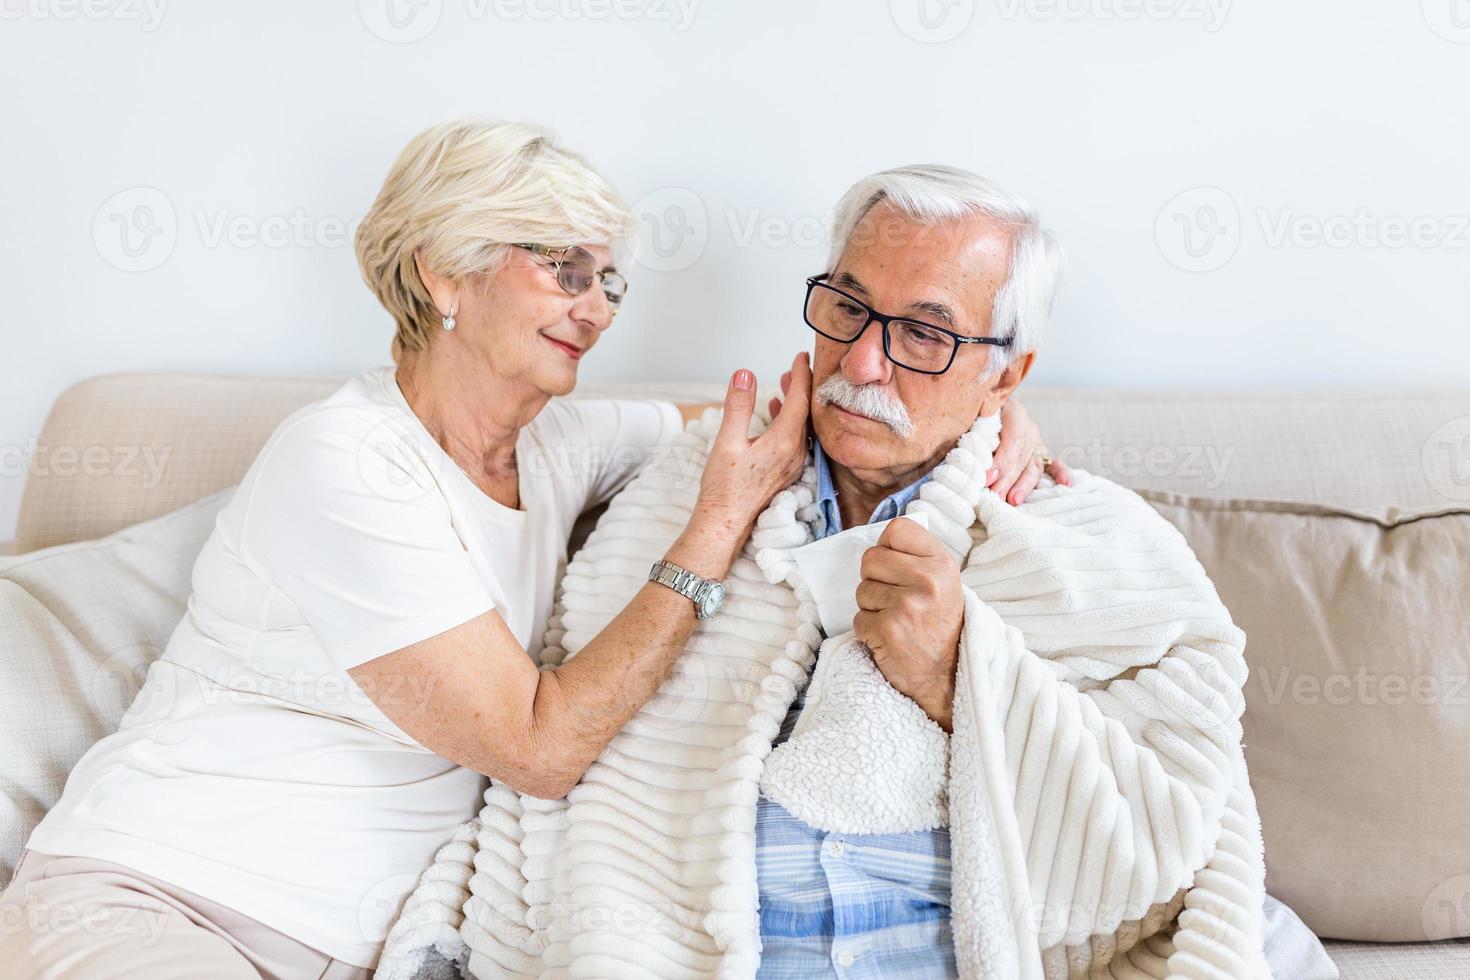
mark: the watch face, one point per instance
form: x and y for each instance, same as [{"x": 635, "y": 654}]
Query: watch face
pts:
[{"x": 709, "y": 604}]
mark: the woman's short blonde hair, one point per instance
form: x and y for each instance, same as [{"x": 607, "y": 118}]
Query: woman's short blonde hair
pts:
[{"x": 458, "y": 195}]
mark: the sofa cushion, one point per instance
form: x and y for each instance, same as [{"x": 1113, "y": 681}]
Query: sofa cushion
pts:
[
  {"x": 1357, "y": 707},
  {"x": 1448, "y": 960},
  {"x": 79, "y": 625}
]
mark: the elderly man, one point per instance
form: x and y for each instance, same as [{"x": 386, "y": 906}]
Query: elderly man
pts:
[{"x": 1005, "y": 765}]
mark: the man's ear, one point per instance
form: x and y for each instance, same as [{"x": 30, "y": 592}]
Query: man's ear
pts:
[{"x": 1010, "y": 379}]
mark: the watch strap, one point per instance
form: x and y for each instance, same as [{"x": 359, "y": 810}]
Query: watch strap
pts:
[{"x": 681, "y": 580}]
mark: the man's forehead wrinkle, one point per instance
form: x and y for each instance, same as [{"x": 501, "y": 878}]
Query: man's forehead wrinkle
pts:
[
  {"x": 946, "y": 272},
  {"x": 942, "y": 310}
]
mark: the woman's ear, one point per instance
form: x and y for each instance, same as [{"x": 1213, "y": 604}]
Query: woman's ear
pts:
[
  {"x": 1010, "y": 379},
  {"x": 443, "y": 291}
]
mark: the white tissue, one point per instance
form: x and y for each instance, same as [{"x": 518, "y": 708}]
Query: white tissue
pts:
[{"x": 832, "y": 569}]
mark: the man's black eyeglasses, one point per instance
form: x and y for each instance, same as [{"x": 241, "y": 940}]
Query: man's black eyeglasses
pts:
[{"x": 911, "y": 344}]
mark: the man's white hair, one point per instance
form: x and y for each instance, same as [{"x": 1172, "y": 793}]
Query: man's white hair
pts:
[{"x": 934, "y": 194}]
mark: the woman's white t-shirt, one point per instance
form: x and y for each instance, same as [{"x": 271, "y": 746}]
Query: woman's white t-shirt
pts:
[{"x": 252, "y": 769}]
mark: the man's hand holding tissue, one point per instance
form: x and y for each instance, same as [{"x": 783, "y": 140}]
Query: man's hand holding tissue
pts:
[{"x": 910, "y": 610}]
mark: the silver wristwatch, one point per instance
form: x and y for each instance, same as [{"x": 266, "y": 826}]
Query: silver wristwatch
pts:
[{"x": 705, "y": 593}]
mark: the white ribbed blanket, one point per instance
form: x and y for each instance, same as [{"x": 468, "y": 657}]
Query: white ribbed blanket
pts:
[{"x": 1101, "y": 821}]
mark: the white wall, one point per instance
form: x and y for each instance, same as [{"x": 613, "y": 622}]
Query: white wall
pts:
[{"x": 1250, "y": 126}]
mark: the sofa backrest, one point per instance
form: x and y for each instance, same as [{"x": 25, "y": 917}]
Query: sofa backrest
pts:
[{"x": 122, "y": 448}]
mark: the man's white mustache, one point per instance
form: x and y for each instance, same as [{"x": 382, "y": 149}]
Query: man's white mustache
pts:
[{"x": 870, "y": 401}]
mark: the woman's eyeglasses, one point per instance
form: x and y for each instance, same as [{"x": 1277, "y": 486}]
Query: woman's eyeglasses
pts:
[{"x": 576, "y": 268}]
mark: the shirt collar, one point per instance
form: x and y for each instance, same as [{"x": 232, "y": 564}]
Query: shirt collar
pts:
[{"x": 830, "y": 515}]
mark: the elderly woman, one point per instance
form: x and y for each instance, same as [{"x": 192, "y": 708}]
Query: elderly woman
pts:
[{"x": 357, "y": 653}]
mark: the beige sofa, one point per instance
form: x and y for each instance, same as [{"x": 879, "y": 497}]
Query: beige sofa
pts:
[{"x": 1335, "y": 524}]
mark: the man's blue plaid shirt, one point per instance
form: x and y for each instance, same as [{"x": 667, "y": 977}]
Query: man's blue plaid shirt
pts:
[{"x": 850, "y": 905}]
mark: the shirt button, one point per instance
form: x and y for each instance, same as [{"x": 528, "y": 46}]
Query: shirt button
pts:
[
  {"x": 845, "y": 958},
  {"x": 835, "y": 848}
]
